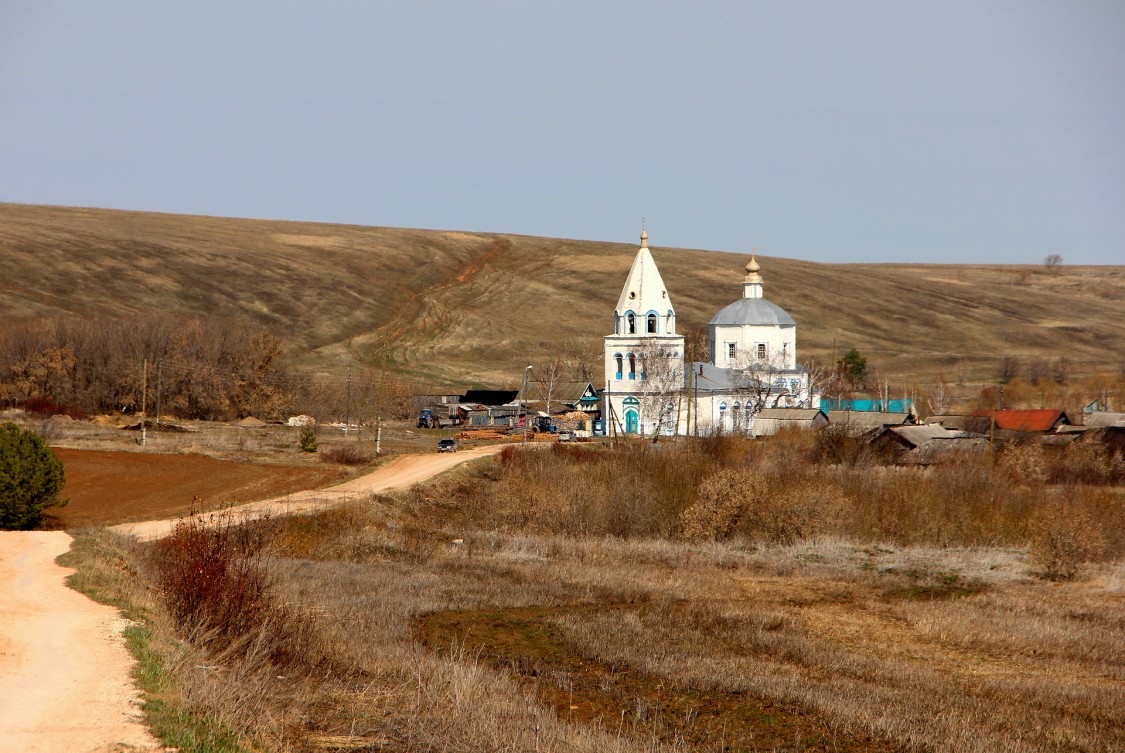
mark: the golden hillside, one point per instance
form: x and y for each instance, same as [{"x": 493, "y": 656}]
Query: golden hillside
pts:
[{"x": 468, "y": 308}]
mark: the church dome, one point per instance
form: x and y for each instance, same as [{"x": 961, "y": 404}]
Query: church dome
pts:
[{"x": 752, "y": 311}]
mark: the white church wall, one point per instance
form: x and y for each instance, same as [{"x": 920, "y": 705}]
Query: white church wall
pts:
[{"x": 780, "y": 342}]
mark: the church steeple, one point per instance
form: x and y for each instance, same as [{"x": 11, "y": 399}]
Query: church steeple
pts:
[
  {"x": 752, "y": 283},
  {"x": 644, "y": 307}
]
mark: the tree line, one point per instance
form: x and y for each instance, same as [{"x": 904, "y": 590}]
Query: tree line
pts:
[{"x": 202, "y": 367}]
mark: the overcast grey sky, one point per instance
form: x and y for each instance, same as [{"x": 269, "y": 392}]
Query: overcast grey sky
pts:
[{"x": 976, "y": 131}]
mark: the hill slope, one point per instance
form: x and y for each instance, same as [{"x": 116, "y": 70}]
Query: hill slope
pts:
[{"x": 468, "y": 308}]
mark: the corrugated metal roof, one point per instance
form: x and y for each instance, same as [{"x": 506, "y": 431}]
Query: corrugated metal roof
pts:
[
  {"x": 1025, "y": 420},
  {"x": 919, "y": 435},
  {"x": 752, "y": 311},
  {"x": 950, "y": 421},
  {"x": 866, "y": 418},
  {"x": 790, "y": 414},
  {"x": 709, "y": 378},
  {"x": 1103, "y": 418}
]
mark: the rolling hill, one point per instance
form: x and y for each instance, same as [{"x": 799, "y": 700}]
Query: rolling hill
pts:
[{"x": 463, "y": 308}]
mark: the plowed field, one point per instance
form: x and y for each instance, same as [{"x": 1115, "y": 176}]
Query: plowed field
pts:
[{"x": 107, "y": 487}]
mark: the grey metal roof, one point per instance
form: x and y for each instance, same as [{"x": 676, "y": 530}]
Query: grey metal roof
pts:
[
  {"x": 790, "y": 414},
  {"x": 1105, "y": 419},
  {"x": 753, "y": 311},
  {"x": 919, "y": 435},
  {"x": 866, "y": 419},
  {"x": 710, "y": 378}
]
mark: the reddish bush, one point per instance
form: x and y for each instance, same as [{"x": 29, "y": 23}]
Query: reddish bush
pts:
[
  {"x": 346, "y": 454},
  {"x": 214, "y": 582},
  {"x": 212, "y": 577},
  {"x": 44, "y": 405}
]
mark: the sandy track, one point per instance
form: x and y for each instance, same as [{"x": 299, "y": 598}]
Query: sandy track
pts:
[{"x": 64, "y": 669}]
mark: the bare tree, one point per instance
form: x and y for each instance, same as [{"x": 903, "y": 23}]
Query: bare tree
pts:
[
  {"x": 1052, "y": 262},
  {"x": 756, "y": 387},
  {"x": 548, "y": 378},
  {"x": 662, "y": 388},
  {"x": 939, "y": 398}
]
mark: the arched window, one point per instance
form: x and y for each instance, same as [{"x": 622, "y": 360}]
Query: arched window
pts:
[
  {"x": 631, "y": 323},
  {"x": 670, "y": 324},
  {"x": 620, "y": 362},
  {"x": 632, "y": 366},
  {"x": 652, "y": 326},
  {"x": 616, "y": 324}
]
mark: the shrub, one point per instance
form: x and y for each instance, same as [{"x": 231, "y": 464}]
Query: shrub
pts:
[
  {"x": 214, "y": 582},
  {"x": 723, "y": 500},
  {"x": 347, "y": 454},
  {"x": 31, "y": 477},
  {"x": 307, "y": 439},
  {"x": 1024, "y": 462},
  {"x": 1063, "y": 537},
  {"x": 43, "y": 405}
]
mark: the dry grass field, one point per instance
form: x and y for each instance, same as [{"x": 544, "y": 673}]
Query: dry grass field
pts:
[
  {"x": 717, "y": 595},
  {"x": 495, "y": 610},
  {"x": 463, "y": 308}
]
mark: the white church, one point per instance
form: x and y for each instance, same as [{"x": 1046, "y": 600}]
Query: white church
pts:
[{"x": 649, "y": 387}]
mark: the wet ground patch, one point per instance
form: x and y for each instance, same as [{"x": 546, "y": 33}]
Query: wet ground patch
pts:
[{"x": 529, "y": 643}]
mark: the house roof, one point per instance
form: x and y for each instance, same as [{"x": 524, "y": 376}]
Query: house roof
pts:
[
  {"x": 1044, "y": 419},
  {"x": 920, "y": 435},
  {"x": 791, "y": 414},
  {"x": 950, "y": 420},
  {"x": 867, "y": 418},
  {"x": 489, "y": 397},
  {"x": 1102, "y": 418}
]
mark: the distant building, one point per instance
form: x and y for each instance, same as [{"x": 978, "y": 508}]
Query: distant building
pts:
[{"x": 650, "y": 390}]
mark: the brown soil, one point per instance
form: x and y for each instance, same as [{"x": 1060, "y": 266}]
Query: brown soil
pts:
[
  {"x": 105, "y": 488},
  {"x": 526, "y": 642}
]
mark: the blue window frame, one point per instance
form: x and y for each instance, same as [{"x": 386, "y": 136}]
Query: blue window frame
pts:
[
  {"x": 620, "y": 361},
  {"x": 632, "y": 366}
]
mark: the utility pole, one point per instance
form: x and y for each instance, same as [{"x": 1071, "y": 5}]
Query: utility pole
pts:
[
  {"x": 523, "y": 400},
  {"x": 348, "y": 410},
  {"x": 158, "y": 365},
  {"x": 144, "y": 402},
  {"x": 379, "y": 397}
]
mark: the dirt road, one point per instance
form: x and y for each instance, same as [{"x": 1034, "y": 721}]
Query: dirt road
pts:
[
  {"x": 64, "y": 668},
  {"x": 399, "y": 473}
]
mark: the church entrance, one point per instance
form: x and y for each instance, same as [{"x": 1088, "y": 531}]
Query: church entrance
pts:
[{"x": 631, "y": 422}]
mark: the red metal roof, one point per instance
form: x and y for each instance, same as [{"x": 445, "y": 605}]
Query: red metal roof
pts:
[{"x": 1044, "y": 419}]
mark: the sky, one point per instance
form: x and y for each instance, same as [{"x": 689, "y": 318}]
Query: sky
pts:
[{"x": 879, "y": 131}]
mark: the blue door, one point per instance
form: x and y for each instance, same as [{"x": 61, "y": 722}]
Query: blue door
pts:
[{"x": 631, "y": 422}]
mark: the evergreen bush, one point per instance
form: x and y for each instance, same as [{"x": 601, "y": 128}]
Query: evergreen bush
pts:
[{"x": 31, "y": 477}]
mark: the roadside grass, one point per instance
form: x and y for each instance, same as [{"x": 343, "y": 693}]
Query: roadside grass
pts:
[
  {"x": 106, "y": 571},
  {"x": 507, "y": 606}
]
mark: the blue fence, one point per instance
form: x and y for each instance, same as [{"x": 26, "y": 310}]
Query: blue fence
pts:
[{"x": 890, "y": 406}]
